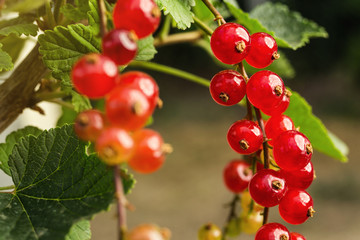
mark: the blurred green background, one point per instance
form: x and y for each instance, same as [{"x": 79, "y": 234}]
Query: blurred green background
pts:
[{"x": 188, "y": 191}]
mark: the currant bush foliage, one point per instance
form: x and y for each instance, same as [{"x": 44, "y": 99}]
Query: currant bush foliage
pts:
[
  {"x": 180, "y": 11},
  {"x": 323, "y": 141},
  {"x": 58, "y": 186},
  {"x": 7, "y": 147}
]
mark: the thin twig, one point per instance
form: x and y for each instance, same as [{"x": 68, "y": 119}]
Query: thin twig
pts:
[
  {"x": 61, "y": 103},
  {"x": 165, "y": 29},
  {"x": 203, "y": 26},
  {"x": 102, "y": 16},
  {"x": 242, "y": 71},
  {"x": 249, "y": 114},
  {"x": 265, "y": 215},
  {"x": 266, "y": 155},
  {"x": 232, "y": 214},
  {"x": 214, "y": 11},
  {"x": 171, "y": 71},
  {"x": 265, "y": 144},
  {"x": 47, "y": 95},
  {"x": 121, "y": 211},
  {"x": 178, "y": 38}
]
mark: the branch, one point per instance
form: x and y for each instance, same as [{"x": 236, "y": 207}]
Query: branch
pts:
[
  {"x": 178, "y": 38},
  {"x": 266, "y": 154},
  {"x": 232, "y": 214},
  {"x": 121, "y": 211},
  {"x": 171, "y": 71},
  {"x": 17, "y": 92},
  {"x": 203, "y": 26},
  {"x": 102, "y": 16},
  {"x": 242, "y": 71},
  {"x": 218, "y": 16}
]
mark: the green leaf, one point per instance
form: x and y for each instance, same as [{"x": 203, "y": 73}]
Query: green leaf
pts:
[
  {"x": 251, "y": 24},
  {"x": 67, "y": 117},
  {"x": 287, "y": 25},
  {"x": 80, "y": 102},
  {"x": 202, "y": 12},
  {"x": 14, "y": 137},
  {"x": 79, "y": 231},
  {"x": 5, "y": 60},
  {"x": 77, "y": 11},
  {"x": 56, "y": 185},
  {"x": 19, "y": 26},
  {"x": 146, "y": 49},
  {"x": 93, "y": 17},
  {"x": 13, "y": 46},
  {"x": 63, "y": 46},
  {"x": 323, "y": 141},
  {"x": 289, "y": 29},
  {"x": 22, "y": 6},
  {"x": 180, "y": 10}
]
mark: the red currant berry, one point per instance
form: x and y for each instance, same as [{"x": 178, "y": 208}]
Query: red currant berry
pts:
[
  {"x": 267, "y": 187},
  {"x": 301, "y": 179},
  {"x": 273, "y": 231},
  {"x": 89, "y": 124},
  {"x": 119, "y": 45},
  {"x": 148, "y": 232},
  {"x": 143, "y": 82},
  {"x": 140, "y": 16},
  {"x": 263, "y": 50},
  {"x": 292, "y": 150},
  {"x": 149, "y": 152},
  {"x": 245, "y": 137},
  {"x": 94, "y": 75},
  {"x": 276, "y": 125},
  {"x": 297, "y": 236},
  {"x": 114, "y": 146},
  {"x": 265, "y": 89},
  {"x": 296, "y": 206},
  {"x": 281, "y": 107},
  {"x": 237, "y": 175},
  {"x": 230, "y": 43},
  {"x": 127, "y": 107},
  {"x": 227, "y": 87}
]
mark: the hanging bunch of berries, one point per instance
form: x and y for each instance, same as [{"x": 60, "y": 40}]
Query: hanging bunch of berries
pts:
[
  {"x": 276, "y": 144},
  {"x": 130, "y": 98}
]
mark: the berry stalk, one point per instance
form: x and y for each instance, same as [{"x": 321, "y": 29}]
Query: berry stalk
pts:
[
  {"x": 242, "y": 71},
  {"x": 119, "y": 189},
  {"x": 203, "y": 26},
  {"x": 232, "y": 215},
  {"x": 170, "y": 70},
  {"x": 121, "y": 211},
  {"x": 216, "y": 13},
  {"x": 102, "y": 16}
]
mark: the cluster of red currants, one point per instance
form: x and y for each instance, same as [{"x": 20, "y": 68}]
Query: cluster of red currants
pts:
[
  {"x": 130, "y": 98},
  {"x": 290, "y": 150}
]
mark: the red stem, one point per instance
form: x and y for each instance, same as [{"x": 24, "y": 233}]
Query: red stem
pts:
[{"x": 120, "y": 201}]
